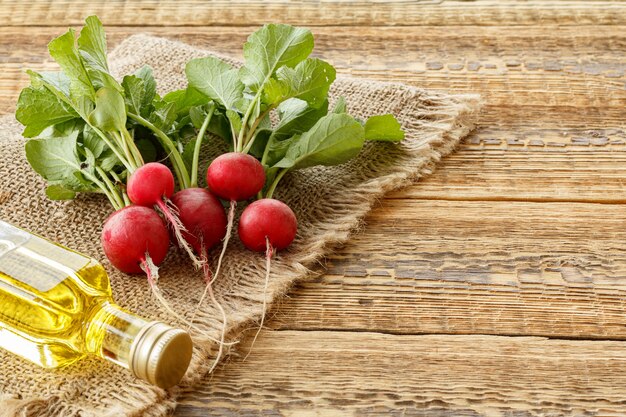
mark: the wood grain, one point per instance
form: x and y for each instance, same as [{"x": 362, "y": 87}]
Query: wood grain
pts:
[
  {"x": 329, "y": 374},
  {"x": 520, "y": 233},
  {"x": 508, "y": 66},
  {"x": 312, "y": 13},
  {"x": 473, "y": 267}
]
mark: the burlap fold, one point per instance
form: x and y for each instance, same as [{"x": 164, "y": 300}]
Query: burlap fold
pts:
[{"x": 329, "y": 202}]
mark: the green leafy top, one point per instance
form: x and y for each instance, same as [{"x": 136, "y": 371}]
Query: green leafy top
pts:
[
  {"x": 279, "y": 75},
  {"x": 81, "y": 119},
  {"x": 90, "y": 131}
]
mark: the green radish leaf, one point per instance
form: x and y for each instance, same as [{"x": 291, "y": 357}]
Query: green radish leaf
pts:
[
  {"x": 89, "y": 164},
  {"x": 188, "y": 151},
  {"x": 62, "y": 129},
  {"x": 139, "y": 91},
  {"x": 185, "y": 99},
  {"x": 92, "y": 48},
  {"x": 92, "y": 45},
  {"x": 110, "y": 112},
  {"x": 383, "y": 128},
  {"x": 220, "y": 126},
  {"x": 340, "y": 105},
  {"x": 297, "y": 117},
  {"x": 260, "y": 142},
  {"x": 164, "y": 115},
  {"x": 197, "y": 114},
  {"x": 39, "y": 108},
  {"x": 149, "y": 84},
  {"x": 63, "y": 50},
  {"x": 308, "y": 81},
  {"x": 55, "y": 159},
  {"x": 277, "y": 149},
  {"x": 134, "y": 90},
  {"x": 58, "y": 82},
  {"x": 235, "y": 120},
  {"x": 93, "y": 142},
  {"x": 216, "y": 79},
  {"x": 58, "y": 192},
  {"x": 108, "y": 160},
  {"x": 335, "y": 139},
  {"x": 271, "y": 47}
]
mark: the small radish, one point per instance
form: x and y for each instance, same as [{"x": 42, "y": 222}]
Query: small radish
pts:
[
  {"x": 267, "y": 218},
  {"x": 235, "y": 176},
  {"x": 267, "y": 225},
  {"x": 151, "y": 185}
]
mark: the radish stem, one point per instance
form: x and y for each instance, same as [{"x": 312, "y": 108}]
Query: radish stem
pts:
[
  {"x": 244, "y": 123},
  {"x": 133, "y": 147},
  {"x": 112, "y": 188},
  {"x": 177, "y": 161},
  {"x": 251, "y": 132},
  {"x": 270, "y": 191},
  {"x": 116, "y": 151},
  {"x": 198, "y": 145}
]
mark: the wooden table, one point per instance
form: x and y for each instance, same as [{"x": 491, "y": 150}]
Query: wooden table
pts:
[{"x": 494, "y": 287}]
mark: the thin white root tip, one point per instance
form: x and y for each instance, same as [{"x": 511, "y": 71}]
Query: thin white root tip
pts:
[
  {"x": 269, "y": 252},
  {"x": 152, "y": 273},
  {"x": 170, "y": 211}
]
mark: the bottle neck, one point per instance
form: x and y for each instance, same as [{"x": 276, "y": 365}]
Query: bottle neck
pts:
[{"x": 111, "y": 332}]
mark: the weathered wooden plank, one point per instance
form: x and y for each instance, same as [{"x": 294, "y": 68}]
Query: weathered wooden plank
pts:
[
  {"x": 509, "y": 66},
  {"x": 312, "y": 13},
  {"x": 532, "y": 163},
  {"x": 367, "y": 374},
  {"x": 463, "y": 267}
]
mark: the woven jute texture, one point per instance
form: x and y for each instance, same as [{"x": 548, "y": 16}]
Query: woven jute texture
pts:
[{"x": 329, "y": 203}]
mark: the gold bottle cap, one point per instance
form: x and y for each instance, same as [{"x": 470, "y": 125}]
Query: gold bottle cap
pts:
[{"x": 161, "y": 354}]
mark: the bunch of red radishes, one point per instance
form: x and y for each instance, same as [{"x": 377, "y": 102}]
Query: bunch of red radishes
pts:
[{"x": 93, "y": 133}]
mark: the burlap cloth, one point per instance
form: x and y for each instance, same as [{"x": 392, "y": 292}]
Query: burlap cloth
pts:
[{"x": 329, "y": 203}]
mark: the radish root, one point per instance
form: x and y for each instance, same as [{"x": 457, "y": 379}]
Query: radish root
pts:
[
  {"x": 229, "y": 229},
  {"x": 170, "y": 211},
  {"x": 269, "y": 252},
  {"x": 209, "y": 287},
  {"x": 152, "y": 273}
]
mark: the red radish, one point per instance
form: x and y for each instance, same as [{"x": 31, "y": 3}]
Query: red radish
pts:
[
  {"x": 267, "y": 225},
  {"x": 203, "y": 216},
  {"x": 151, "y": 185},
  {"x": 235, "y": 176},
  {"x": 135, "y": 239},
  {"x": 130, "y": 234},
  {"x": 267, "y": 218}
]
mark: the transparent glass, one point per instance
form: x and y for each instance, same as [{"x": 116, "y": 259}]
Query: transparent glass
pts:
[{"x": 56, "y": 304}]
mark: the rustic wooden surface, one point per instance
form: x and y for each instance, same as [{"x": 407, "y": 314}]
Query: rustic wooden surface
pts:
[{"x": 494, "y": 287}]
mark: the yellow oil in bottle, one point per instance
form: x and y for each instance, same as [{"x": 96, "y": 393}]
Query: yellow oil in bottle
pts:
[{"x": 56, "y": 307}]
